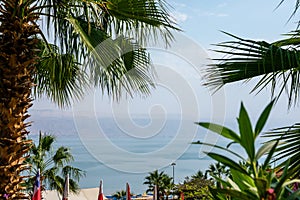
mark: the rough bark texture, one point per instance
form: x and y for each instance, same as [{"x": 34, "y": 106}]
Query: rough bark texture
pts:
[{"x": 17, "y": 58}]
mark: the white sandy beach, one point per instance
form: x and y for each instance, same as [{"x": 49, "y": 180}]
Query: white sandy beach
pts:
[{"x": 84, "y": 194}]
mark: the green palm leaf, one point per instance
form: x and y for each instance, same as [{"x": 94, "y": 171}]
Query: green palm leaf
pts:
[
  {"x": 263, "y": 118},
  {"x": 58, "y": 76},
  {"x": 234, "y": 194},
  {"x": 224, "y": 131},
  {"x": 227, "y": 162},
  {"x": 220, "y": 147},
  {"x": 288, "y": 148},
  {"x": 246, "y": 132},
  {"x": 277, "y": 66},
  {"x": 297, "y": 6},
  {"x": 106, "y": 36},
  {"x": 54, "y": 165}
]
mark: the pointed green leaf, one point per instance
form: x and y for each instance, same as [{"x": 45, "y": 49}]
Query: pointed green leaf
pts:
[
  {"x": 244, "y": 181},
  {"x": 263, "y": 118},
  {"x": 234, "y": 194},
  {"x": 225, "y": 132},
  {"x": 234, "y": 185},
  {"x": 247, "y": 135},
  {"x": 216, "y": 195},
  {"x": 261, "y": 185},
  {"x": 227, "y": 162},
  {"x": 219, "y": 147}
]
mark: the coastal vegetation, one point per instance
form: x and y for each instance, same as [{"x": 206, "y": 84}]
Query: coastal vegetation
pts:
[
  {"x": 217, "y": 170},
  {"x": 276, "y": 66},
  {"x": 251, "y": 177},
  {"x": 54, "y": 164},
  {"x": 120, "y": 195},
  {"x": 101, "y": 44},
  {"x": 81, "y": 45},
  {"x": 195, "y": 187},
  {"x": 162, "y": 181}
]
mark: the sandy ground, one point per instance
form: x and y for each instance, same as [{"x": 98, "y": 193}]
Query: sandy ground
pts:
[{"x": 84, "y": 194}]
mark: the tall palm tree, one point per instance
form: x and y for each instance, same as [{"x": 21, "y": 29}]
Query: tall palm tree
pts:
[
  {"x": 217, "y": 170},
  {"x": 95, "y": 43},
  {"x": 162, "y": 181},
  {"x": 199, "y": 175},
  {"x": 168, "y": 186},
  {"x": 54, "y": 165},
  {"x": 277, "y": 65},
  {"x": 119, "y": 194}
]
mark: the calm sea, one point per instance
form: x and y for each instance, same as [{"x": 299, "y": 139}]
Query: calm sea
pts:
[{"x": 117, "y": 156}]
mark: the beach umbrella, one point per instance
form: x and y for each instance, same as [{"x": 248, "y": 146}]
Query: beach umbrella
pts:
[
  {"x": 66, "y": 189},
  {"x": 101, "y": 196},
  {"x": 37, "y": 187},
  {"x": 128, "y": 197},
  {"x": 181, "y": 196}
]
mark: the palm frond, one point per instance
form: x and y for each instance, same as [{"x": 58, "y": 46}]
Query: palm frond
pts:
[
  {"x": 115, "y": 65},
  {"x": 288, "y": 149},
  {"x": 296, "y": 8},
  {"x": 143, "y": 20},
  {"x": 45, "y": 142},
  {"x": 59, "y": 77},
  {"x": 62, "y": 156},
  {"x": 278, "y": 66},
  {"x": 98, "y": 34},
  {"x": 75, "y": 173}
]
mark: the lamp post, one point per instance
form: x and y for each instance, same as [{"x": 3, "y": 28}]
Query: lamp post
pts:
[{"x": 173, "y": 166}]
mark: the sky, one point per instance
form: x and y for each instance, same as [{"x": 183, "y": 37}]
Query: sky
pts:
[
  {"x": 260, "y": 20},
  {"x": 202, "y": 23}
]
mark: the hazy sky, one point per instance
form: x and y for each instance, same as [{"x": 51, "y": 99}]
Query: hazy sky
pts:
[
  {"x": 203, "y": 20},
  {"x": 180, "y": 67}
]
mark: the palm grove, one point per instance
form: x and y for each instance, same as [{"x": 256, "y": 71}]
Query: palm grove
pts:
[{"x": 80, "y": 44}]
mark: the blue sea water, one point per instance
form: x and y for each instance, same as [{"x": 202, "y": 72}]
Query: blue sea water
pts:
[{"x": 127, "y": 158}]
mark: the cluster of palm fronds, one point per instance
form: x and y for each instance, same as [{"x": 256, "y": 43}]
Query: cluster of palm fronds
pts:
[
  {"x": 98, "y": 43},
  {"x": 276, "y": 65}
]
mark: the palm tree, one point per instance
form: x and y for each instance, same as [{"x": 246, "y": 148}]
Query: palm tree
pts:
[
  {"x": 199, "y": 175},
  {"x": 54, "y": 165},
  {"x": 119, "y": 195},
  {"x": 95, "y": 43},
  {"x": 217, "y": 170},
  {"x": 277, "y": 65},
  {"x": 289, "y": 148},
  {"x": 195, "y": 187},
  {"x": 168, "y": 186},
  {"x": 162, "y": 181}
]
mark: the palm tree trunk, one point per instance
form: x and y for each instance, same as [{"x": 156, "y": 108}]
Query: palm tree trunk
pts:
[{"x": 17, "y": 59}]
